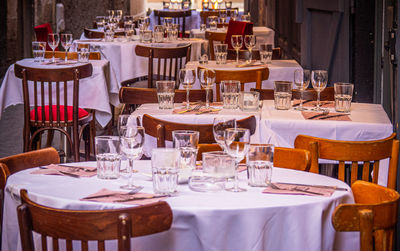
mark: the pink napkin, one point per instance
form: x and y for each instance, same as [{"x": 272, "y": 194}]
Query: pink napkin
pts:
[
  {"x": 200, "y": 111},
  {"x": 308, "y": 103},
  {"x": 124, "y": 197},
  {"x": 78, "y": 171},
  {"x": 298, "y": 190},
  {"x": 329, "y": 116}
]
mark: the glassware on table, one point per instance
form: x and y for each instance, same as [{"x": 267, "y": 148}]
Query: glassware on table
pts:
[
  {"x": 230, "y": 93},
  {"x": 220, "y": 124},
  {"x": 168, "y": 22},
  {"x": 187, "y": 77},
  {"x": 128, "y": 19},
  {"x": 249, "y": 101},
  {"x": 53, "y": 39},
  {"x": 108, "y": 157},
  {"x": 109, "y": 32},
  {"x": 165, "y": 169},
  {"x": 283, "y": 95},
  {"x": 218, "y": 164},
  {"x": 221, "y": 53},
  {"x": 222, "y": 16},
  {"x": 118, "y": 15},
  {"x": 175, "y": 31},
  {"x": 237, "y": 43},
  {"x": 234, "y": 14},
  {"x": 203, "y": 27},
  {"x": 165, "y": 94},
  {"x": 250, "y": 43},
  {"x": 158, "y": 34},
  {"x": 319, "y": 79},
  {"x": 66, "y": 42},
  {"x": 100, "y": 22},
  {"x": 212, "y": 22},
  {"x": 128, "y": 30},
  {"x": 83, "y": 50},
  {"x": 110, "y": 14},
  {"x": 186, "y": 142},
  {"x": 237, "y": 142},
  {"x": 259, "y": 164},
  {"x": 38, "y": 51},
  {"x": 147, "y": 36},
  {"x": 266, "y": 53},
  {"x": 343, "y": 96},
  {"x": 125, "y": 120},
  {"x": 207, "y": 80},
  {"x": 301, "y": 80},
  {"x": 245, "y": 18}
]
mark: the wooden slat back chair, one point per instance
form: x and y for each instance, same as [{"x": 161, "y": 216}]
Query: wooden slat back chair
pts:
[
  {"x": 162, "y": 130},
  {"x": 98, "y": 34},
  {"x": 132, "y": 97},
  {"x": 55, "y": 105},
  {"x": 213, "y": 37},
  {"x": 168, "y": 61},
  {"x": 208, "y": 13},
  {"x": 94, "y": 55},
  {"x": 178, "y": 17},
  {"x": 89, "y": 225},
  {"x": 244, "y": 76},
  {"x": 368, "y": 152},
  {"x": 265, "y": 94},
  {"x": 255, "y": 54},
  {"x": 374, "y": 215},
  {"x": 328, "y": 94}
]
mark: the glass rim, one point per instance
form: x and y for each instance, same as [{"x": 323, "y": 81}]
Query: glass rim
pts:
[
  {"x": 343, "y": 84},
  {"x": 103, "y": 137},
  {"x": 230, "y": 81},
  {"x": 164, "y": 149},
  {"x": 185, "y": 131},
  {"x": 239, "y": 129},
  {"x": 216, "y": 153},
  {"x": 283, "y": 82}
]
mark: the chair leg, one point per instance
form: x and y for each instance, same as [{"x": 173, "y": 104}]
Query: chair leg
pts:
[
  {"x": 50, "y": 137},
  {"x": 86, "y": 139}
]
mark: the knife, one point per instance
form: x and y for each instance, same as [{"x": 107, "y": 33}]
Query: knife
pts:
[
  {"x": 318, "y": 186},
  {"x": 208, "y": 111},
  {"x": 318, "y": 115},
  {"x": 141, "y": 198},
  {"x": 304, "y": 102},
  {"x": 334, "y": 116}
]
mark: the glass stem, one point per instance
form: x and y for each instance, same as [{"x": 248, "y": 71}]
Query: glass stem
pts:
[
  {"x": 130, "y": 172},
  {"x": 54, "y": 59},
  {"x": 318, "y": 97},
  {"x": 236, "y": 182},
  {"x": 301, "y": 99},
  {"x": 207, "y": 98},
  {"x": 66, "y": 55},
  {"x": 187, "y": 99},
  {"x": 237, "y": 56},
  {"x": 250, "y": 56}
]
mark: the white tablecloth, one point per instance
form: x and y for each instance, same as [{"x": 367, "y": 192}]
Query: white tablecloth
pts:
[
  {"x": 96, "y": 92},
  {"x": 203, "y": 221}
]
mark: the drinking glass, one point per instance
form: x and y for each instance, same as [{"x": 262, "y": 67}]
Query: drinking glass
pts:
[
  {"x": 168, "y": 22},
  {"x": 186, "y": 142},
  {"x": 108, "y": 156},
  {"x": 110, "y": 14},
  {"x": 66, "y": 42},
  {"x": 234, "y": 14},
  {"x": 265, "y": 53},
  {"x": 237, "y": 142},
  {"x": 259, "y": 164},
  {"x": 250, "y": 43},
  {"x": 301, "y": 80},
  {"x": 132, "y": 140},
  {"x": 212, "y": 22},
  {"x": 220, "y": 124},
  {"x": 165, "y": 94},
  {"x": 207, "y": 79},
  {"x": 53, "y": 39},
  {"x": 282, "y": 95},
  {"x": 319, "y": 79},
  {"x": 343, "y": 96},
  {"x": 222, "y": 16},
  {"x": 83, "y": 50},
  {"x": 100, "y": 22},
  {"x": 126, "y": 120},
  {"x": 38, "y": 50},
  {"x": 118, "y": 15},
  {"x": 187, "y": 77},
  {"x": 165, "y": 167},
  {"x": 237, "y": 43},
  {"x": 230, "y": 93},
  {"x": 129, "y": 30}
]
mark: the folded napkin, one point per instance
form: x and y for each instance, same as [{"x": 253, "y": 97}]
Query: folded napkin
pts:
[
  {"x": 198, "y": 112},
  {"x": 311, "y": 103},
  {"x": 105, "y": 195},
  {"x": 294, "y": 189},
  {"x": 329, "y": 116},
  {"x": 74, "y": 171},
  {"x": 60, "y": 62}
]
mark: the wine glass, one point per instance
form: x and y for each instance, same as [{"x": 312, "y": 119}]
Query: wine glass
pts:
[
  {"x": 237, "y": 43},
  {"x": 302, "y": 80},
  {"x": 66, "y": 42},
  {"x": 125, "y": 120},
  {"x": 250, "y": 43},
  {"x": 219, "y": 126},
  {"x": 187, "y": 77},
  {"x": 53, "y": 39},
  {"x": 132, "y": 141},
  {"x": 110, "y": 14},
  {"x": 118, "y": 15},
  {"x": 237, "y": 143},
  {"x": 207, "y": 79},
  {"x": 319, "y": 79}
]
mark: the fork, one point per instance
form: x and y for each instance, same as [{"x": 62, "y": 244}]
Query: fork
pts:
[
  {"x": 194, "y": 109},
  {"x": 305, "y": 190},
  {"x": 325, "y": 112}
]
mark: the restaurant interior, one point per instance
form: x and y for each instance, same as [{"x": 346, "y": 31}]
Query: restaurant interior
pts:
[{"x": 199, "y": 125}]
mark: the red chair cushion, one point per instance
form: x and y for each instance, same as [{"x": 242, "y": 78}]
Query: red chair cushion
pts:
[
  {"x": 41, "y": 32},
  {"x": 81, "y": 113},
  {"x": 238, "y": 28}
]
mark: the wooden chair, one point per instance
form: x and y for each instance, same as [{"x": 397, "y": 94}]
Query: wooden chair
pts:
[
  {"x": 168, "y": 62},
  {"x": 265, "y": 94},
  {"x": 89, "y": 225},
  {"x": 98, "y": 34},
  {"x": 204, "y": 14},
  {"x": 95, "y": 55},
  {"x": 162, "y": 130},
  {"x": 178, "y": 17},
  {"x": 328, "y": 94},
  {"x": 374, "y": 215},
  {"x": 368, "y": 152},
  {"x": 132, "y": 97},
  {"x": 212, "y": 37},
  {"x": 255, "y": 54},
  {"x": 48, "y": 87}
]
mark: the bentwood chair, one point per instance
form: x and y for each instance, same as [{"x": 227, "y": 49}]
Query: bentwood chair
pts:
[
  {"x": 368, "y": 152},
  {"x": 55, "y": 109},
  {"x": 328, "y": 94},
  {"x": 178, "y": 17},
  {"x": 84, "y": 226},
  {"x": 214, "y": 37},
  {"x": 132, "y": 97},
  {"x": 98, "y": 34},
  {"x": 95, "y": 55},
  {"x": 162, "y": 130},
  {"x": 374, "y": 215}
]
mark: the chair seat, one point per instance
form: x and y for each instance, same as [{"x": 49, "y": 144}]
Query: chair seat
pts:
[{"x": 81, "y": 113}]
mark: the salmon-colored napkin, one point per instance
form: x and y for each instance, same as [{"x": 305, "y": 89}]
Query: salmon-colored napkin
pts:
[
  {"x": 74, "y": 171},
  {"x": 329, "y": 116},
  {"x": 106, "y": 195},
  {"x": 294, "y": 189},
  {"x": 309, "y": 103},
  {"x": 198, "y": 112}
]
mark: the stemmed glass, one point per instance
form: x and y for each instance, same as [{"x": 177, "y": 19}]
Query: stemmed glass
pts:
[
  {"x": 220, "y": 124},
  {"x": 319, "y": 79},
  {"x": 237, "y": 43},
  {"x": 125, "y": 120},
  {"x": 302, "y": 80},
  {"x": 207, "y": 79},
  {"x": 66, "y": 42},
  {"x": 187, "y": 77},
  {"x": 53, "y": 39},
  {"x": 118, "y": 15},
  {"x": 250, "y": 43},
  {"x": 237, "y": 143},
  {"x": 110, "y": 14}
]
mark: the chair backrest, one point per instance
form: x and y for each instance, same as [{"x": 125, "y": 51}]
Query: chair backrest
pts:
[
  {"x": 238, "y": 28},
  {"x": 374, "y": 215},
  {"x": 212, "y": 37},
  {"x": 90, "y": 225},
  {"x": 41, "y": 32},
  {"x": 178, "y": 17},
  {"x": 265, "y": 94},
  {"x": 162, "y": 130},
  {"x": 204, "y": 14},
  {"x": 255, "y": 54},
  {"x": 368, "y": 152},
  {"x": 328, "y": 94},
  {"x": 168, "y": 61},
  {"x": 92, "y": 34},
  {"x": 95, "y": 55}
]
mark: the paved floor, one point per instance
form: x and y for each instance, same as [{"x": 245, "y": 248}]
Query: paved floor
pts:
[{"x": 11, "y": 125}]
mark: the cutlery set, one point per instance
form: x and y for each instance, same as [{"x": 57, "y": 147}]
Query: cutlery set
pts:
[{"x": 197, "y": 110}]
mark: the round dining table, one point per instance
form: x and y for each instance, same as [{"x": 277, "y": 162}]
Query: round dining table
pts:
[{"x": 220, "y": 220}]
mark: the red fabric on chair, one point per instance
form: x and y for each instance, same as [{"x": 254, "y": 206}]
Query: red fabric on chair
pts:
[
  {"x": 238, "y": 28},
  {"x": 81, "y": 113},
  {"x": 41, "y": 32}
]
